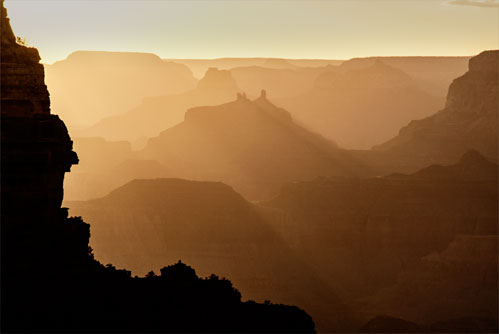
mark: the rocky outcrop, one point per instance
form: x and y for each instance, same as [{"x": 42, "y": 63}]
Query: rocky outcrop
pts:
[
  {"x": 36, "y": 150},
  {"x": 217, "y": 81},
  {"x": 468, "y": 121},
  {"x": 253, "y": 146}
]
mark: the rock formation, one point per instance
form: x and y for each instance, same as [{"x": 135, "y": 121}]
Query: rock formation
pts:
[
  {"x": 359, "y": 108},
  {"x": 433, "y": 74},
  {"x": 468, "y": 121},
  {"x": 36, "y": 150},
  {"x": 50, "y": 281},
  {"x": 425, "y": 244},
  {"x": 147, "y": 223},
  {"x": 88, "y": 86},
  {"x": 155, "y": 114},
  {"x": 279, "y": 82},
  {"x": 253, "y": 146}
]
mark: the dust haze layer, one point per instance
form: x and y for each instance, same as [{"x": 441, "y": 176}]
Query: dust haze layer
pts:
[{"x": 89, "y": 85}]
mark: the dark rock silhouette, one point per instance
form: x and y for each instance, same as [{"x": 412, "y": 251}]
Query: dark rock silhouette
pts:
[
  {"x": 147, "y": 223},
  {"x": 50, "y": 281}
]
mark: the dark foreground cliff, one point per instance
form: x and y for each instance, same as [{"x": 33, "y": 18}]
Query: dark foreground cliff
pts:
[{"x": 50, "y": 281}]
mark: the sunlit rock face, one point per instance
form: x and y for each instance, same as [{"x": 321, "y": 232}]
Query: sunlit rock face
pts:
[
  {"x": 469, "y": 120},
  {"x": 476, "y": 92}
]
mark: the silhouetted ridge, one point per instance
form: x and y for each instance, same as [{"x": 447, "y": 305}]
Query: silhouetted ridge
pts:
[
  {"x": 50, "y": 281},
  {"x": 146, "y": 223}
]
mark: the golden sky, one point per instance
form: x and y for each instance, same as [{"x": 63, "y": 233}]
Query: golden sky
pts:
[{"x": 332, "y": 29}]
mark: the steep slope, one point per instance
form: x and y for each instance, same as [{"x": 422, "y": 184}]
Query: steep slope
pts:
[
  {"x": 362, "y": 107},
  {"x": 146, "y": 223},
  {"x": 50, "y": 281},
  {"x": 253, "y": 146},
  {"x": 468, "y": 121},
  {"x": 90, "y": 85},
  {"x": 367, "y": 232},
  {"x": 155, "y": 114}
]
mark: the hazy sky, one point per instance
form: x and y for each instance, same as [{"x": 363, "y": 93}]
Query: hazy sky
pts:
[{"x": 334, "y": 29}]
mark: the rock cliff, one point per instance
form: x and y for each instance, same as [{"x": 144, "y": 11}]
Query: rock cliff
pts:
[
  {"x": 468, "y": 121},
  {"x": 36, "y": 151}
]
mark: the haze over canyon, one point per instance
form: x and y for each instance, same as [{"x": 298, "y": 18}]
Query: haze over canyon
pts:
[{"x": 143, "y": 193}]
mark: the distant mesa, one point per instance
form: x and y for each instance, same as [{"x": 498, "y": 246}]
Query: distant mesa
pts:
[
  {"x": 217, "y": 80},
  {"x": 90, "y": 85}
]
